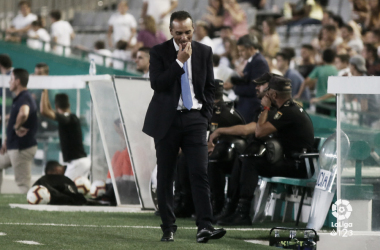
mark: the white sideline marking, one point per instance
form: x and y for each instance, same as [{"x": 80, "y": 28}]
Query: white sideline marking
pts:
[
  {"x": 28, "y": 242},
  {"x": 109, "y": 226},
  {"x": 261, "y": 242},
  {"x": 55, "y": 208},
  {"x": 2, "y": 234}
]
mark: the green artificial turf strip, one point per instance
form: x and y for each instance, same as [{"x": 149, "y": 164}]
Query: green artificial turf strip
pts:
[
  {"x": 102, "y": 237},
  {"x": 81, "y": 237}
]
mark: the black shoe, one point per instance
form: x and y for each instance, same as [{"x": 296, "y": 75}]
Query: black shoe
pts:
[
  {"x": 240, "y": 217},
  {"x": 167, "y": 236},
  {"x": 228, "y": 209},
  {"x": 206, "y": 234}
]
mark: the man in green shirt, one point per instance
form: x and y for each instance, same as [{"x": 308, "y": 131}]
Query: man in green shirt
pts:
[{"x": 317, "y": 79}]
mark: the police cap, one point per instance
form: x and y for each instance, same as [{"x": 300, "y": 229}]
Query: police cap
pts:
[
  {"x": 264, "y": 78},
  {"x": 280, "y": 83}
]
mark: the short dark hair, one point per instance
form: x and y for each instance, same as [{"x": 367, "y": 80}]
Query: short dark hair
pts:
[
  {"x": 43, "y": 66},
  {"x": 121, "y": 45},
  {"x": 56, "y": 14},
  {"x": 329, "y": 27},
  {"x": 27, "y": 3},
  {"x": 145, "y": 50},
  {"x": 99, "y": 45},
  {"x": 308, "y": 47},
  {"x": 344, "y": 58},
  {"x": 37, "y": 23},
  {"x": 5, "y": 61},
  {"x": 180, "y": 16},
  {"x": 349, "y": 28},
  {"x": 51, "y": 165},
  {"x": 290, "y": 51},
  {"x": 22, "y": 75},
  {"x": 328, "y": 55},
  {"x": 62, "y": 101},
  {"x": 284, "y": 55},
  {"x": 215, "y": 60},
  {"x": 376, "y": 32},
  {"x": 247, "y": 42},
  {"x": 338, "y": 19}
]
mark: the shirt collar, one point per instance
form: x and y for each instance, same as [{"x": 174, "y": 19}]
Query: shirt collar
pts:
[
  {"x": 175, "y": 46},
  {"x": 250, "y": 59}
]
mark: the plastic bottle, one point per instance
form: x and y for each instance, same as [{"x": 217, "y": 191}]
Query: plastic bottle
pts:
[
  {"x": 92, "y": 70},
  {"x": 277, "y": 238},
  {"x": 310, "y": 244}
]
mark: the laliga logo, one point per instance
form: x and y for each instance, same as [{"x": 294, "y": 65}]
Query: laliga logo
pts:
[{"x": 341, "y": 209}]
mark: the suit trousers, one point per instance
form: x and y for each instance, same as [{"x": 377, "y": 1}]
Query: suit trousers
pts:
[{"x": 188, "y": 132}]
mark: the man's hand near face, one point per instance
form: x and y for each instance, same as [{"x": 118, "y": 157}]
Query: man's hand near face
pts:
[
  {"x": 265, "y": 101},
  {"x": 184, "y": 55}
]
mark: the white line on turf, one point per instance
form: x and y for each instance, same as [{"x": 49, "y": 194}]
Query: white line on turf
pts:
[
  {"x": 28, "y": 242},
  {"x": 2, "y": 234},
  {"x": 109, "y": 226}
]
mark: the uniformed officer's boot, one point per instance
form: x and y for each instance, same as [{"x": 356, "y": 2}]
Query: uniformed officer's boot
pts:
[
  {"x": 228, "y": 209},
  {"x": 240, "y": 217}
]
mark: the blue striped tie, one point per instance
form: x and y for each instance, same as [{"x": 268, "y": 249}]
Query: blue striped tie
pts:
[{"x": 185, "y": 86}]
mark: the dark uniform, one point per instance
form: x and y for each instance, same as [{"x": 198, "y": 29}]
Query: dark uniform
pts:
[
  {"x": 295, "y": 134},
  {"x": 62, "y": 190}
]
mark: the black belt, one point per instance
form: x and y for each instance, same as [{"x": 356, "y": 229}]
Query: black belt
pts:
[{"x": 186, "y": 110}]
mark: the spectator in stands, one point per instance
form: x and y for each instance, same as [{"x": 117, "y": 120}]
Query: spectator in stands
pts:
[
  {"x": 246, "y": 89},
  {"x": 330, "y": 38},
  {"x": 61, "y": 33},
  {"x": 5, "y": 64},
  {"x": 122, "y": 53},
  {"x": 369, "y": 37},
  {"x": 201, "y": 33},
  {"x": 39, "y": 38},
  {"x": 349, "y": 39},
  {"x": 121, "y": 26},
  {"x": 307, "y": 60},
  {"x": 70, "y": 135},
  {"x": 360, "y": 10},
  {"x": 318, "y": 80},
  {"x": 306, "y": 12},
  {"x": 341, "y": 63},
  {"x": 21, "y": 23},
  {"x": 214, "y": 16},
  {"x": 230, "y": 55},
  {"x": 41, "y": 69},
  {"x": 271, "y": 40},
  {"x": 372, "y": 60},
  {"x": 373, "y": 17},
  {"x": 142, "y": 61},
  {"x": 225, "y": 33},
  {"x": 235, "y": 17},
  {"x": 102, "y": 56},
  {"x": 296, "y": 79},
  {"x": 149, "y": 36},
  {"x": 160, "y": 10},
  {"x": 20, "y": 146},
  {"x": 337, "y": 21}
]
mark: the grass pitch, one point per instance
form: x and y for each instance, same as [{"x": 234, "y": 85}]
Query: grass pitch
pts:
[{"x": 99, "y": 230}]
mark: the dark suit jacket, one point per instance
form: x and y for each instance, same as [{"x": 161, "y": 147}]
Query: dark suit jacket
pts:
[
  {"x": 165, "y": 80},
  {"x": 248, "y": 101}
]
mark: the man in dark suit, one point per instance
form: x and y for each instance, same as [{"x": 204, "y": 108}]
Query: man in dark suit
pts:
[
  {"x": 177, "y": 117},
  {"x": 245, "y": 88}
]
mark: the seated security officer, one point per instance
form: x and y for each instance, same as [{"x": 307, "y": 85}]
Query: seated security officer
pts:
[{"x": 295, "y": 134}]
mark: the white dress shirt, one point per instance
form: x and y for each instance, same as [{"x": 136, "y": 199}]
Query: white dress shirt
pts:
[{"x": 196, "y": 104}]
